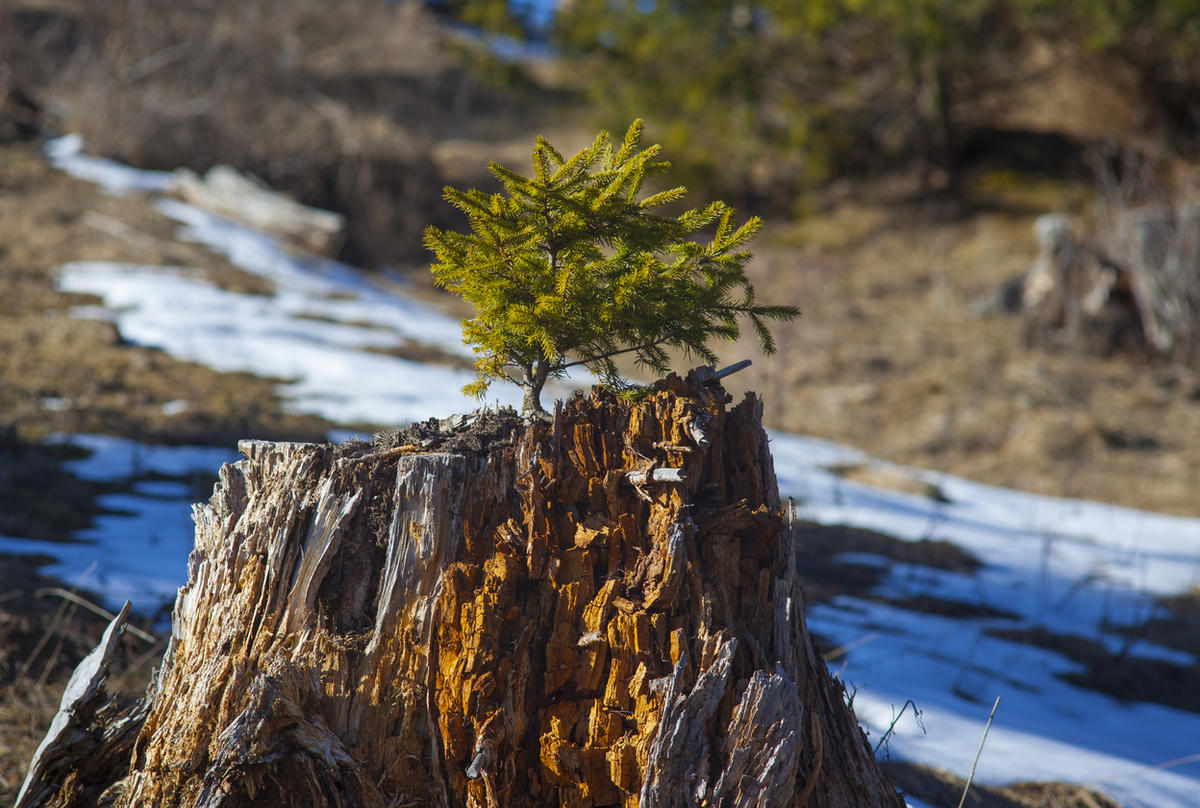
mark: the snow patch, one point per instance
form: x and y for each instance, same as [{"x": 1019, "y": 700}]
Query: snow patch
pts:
[
  {"x": 137, "y": 550},
  {"x": 66, "y": 154},
  {"x": 328, "y": 365}
]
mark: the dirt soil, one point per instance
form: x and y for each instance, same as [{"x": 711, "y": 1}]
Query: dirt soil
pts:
[
  {"x": 481, "y": 432},
  {"x": 889, "y": 356},
  {"x": 942, "y": 789}
]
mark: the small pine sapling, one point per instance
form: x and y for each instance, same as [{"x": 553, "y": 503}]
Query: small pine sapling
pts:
[{"x": 569, "y": 267}]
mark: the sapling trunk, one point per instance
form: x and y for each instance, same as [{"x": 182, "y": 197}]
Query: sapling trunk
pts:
[
  {"x": 532, "y": 384},
  {"x": 532, "y": 403}
]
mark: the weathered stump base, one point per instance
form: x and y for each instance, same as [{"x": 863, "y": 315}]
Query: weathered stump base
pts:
[{"x": 597, "y": 610}]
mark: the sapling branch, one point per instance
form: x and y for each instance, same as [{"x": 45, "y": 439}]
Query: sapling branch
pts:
[{"x": 601, "y": 357}]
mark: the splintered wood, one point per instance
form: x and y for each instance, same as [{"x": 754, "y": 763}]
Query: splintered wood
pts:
[{"x": 531, "y": 626}]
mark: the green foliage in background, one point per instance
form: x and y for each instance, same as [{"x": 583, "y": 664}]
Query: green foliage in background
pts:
[
  {"x": 1173, "y": 25},
  {"x": 570, "y": 267},
  {"x": 785, "y": 94},
  {"x": 759, "y": 99},
  {"x": 492, "y": 16},
  {"x": 720, "y": 78}
]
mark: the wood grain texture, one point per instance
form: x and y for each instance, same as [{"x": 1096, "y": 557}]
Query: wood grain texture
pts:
[{"x": 89, "y": 736}]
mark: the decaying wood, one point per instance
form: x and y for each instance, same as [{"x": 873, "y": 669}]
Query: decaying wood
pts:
[
  {"x": 1134, "y": 286},
  {"x": 1159, "y": 248},
  {"x": 508, "y": 627},
  {"x": 89, "y": 735},
  {"x": 707, "y": 375},
  {"x": 656, "y": 475},
  {"x": 1074, "y": 290},
  {"x": 225, "y": 192}
]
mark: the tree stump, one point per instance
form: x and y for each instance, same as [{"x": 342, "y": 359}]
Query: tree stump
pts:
[{"x": 599, "y": 609}]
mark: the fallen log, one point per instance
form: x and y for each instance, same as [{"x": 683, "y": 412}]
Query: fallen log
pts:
[
  {"x": 1134, "y": 286},
  {"x": 500, "y": 622},
  {"x": 224, "y": 191}
]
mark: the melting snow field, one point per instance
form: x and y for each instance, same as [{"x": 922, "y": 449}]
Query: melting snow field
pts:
[
  {"x": 1067, "y": 566},
  {"x": 315, "y": 330},
  {"x": 137, "y": 550},
  {"x": 1064, "y": 566}
]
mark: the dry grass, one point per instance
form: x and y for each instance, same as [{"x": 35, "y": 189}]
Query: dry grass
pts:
[
  {"x": 941, "y": 789},
  {"x": 889, "y": 357},
  {"x": 25, "y": 713},
  {"x": 369, "y": 111},
  {"x": 42, "y": 638},
  {"x": 340, "y": 108}
]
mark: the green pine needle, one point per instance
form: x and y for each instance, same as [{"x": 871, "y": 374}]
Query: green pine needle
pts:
[{"x": 568, "y": 267}]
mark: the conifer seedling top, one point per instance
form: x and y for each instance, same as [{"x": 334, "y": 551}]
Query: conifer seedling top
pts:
[{"x": 569, "y": 267}]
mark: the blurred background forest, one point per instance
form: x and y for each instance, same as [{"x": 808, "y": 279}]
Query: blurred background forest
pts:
[{"x": 900, "y": 150}]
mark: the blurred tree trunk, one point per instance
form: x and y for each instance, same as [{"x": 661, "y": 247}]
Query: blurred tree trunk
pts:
[{"x": 524, "y": 623}]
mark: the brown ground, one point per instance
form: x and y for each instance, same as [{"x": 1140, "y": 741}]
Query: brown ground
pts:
[
  {"x": 42, "y": 638},
  {"x": 104, "y": 384},
  {"x": 372, "y": 111},
  {"x": 940, "y": 788},
  {"x": 890, "y": 358}
]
